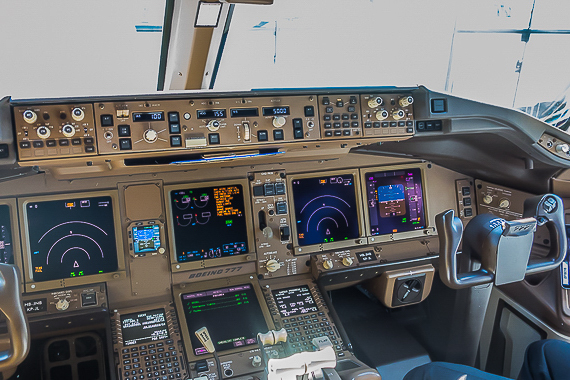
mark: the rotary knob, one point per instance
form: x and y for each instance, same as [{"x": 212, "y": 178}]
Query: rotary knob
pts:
[
  {"x": 487, "y": 199},
  {"x": 382, "y": 115},
  {"x": 504, "y": 203},
  {"x": 30, "y": 116},
  {"x": 406, "y": 101},
  {"x": 77, "y": 114},
  {"x": 62, "y": 305},
  {"x": 267, "y": 232},
  {"x": 328, "y": 264},
  {"x": 562, "y": 148},
  {"x": 150, "y": 135},
  {"x": 279, "y": 121},
  {"x": 375, "y": 102},
  {"x": 272, "y": 265},
  {"x": 213, "y": 125},
  {"x": 256, "y": 361},
  {"x": 43, "y": 132},
  {"x": 68, "y": 130},
  {"x": 347, "y": 261},
  {"x": 398, "y": 114}
]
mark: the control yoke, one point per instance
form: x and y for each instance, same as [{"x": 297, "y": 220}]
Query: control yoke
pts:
[
  {"x": 12, "y": 307},
  {"x": 503, "y": 247}
]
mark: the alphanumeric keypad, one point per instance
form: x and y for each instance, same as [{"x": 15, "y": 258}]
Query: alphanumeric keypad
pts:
[
  {"x": 301, "y": 330},
  {"x": 157, "y": 361}
]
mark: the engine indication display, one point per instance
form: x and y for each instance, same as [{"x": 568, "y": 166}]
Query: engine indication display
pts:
[
  {"x": 147, "y": 326},
  {"x": 325, "y": 209},
  {"x": 6, "y": 252},
  {"x": 146, "y": 238},
  {"x": 71, "y": 237},
  {"x": 295, "y": 301},
  {"x": 395, "y": 201},
  {"x": 209, "y": 222}
]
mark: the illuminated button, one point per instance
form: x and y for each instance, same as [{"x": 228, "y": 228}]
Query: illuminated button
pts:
[
  {"x": 214, "y": 138},
  {"x": 63, "y": 142},
  {"x": 326, "y": 101},
  {"x": 38, "y": 144},
  {"x": 338, "y": 133},
  {"x": 125, "y": 144},
  {"x": 468, "y": 212},
  {"x": 88, "y": 299},
  {"x": 175, "y": 141},
  {"x": 466, "y": 190},
  {"x": 339, "y": 103},
  {"x": 336, "y": 116},
  {"x": 309, "y": 111},
  {"x": 329, "y": 110},
  {"x": 279, "y": 188},
  {"x": 124, "y": 130},
  {"x": 298, "y": 134},
  {"x": 257, "y": 191},
  {"x": 466, "y": 201},
  {"x": 106, "y": 120},
  {"x": 269, "y": 189},
  {"x": 89, "y": 149},
  {"x": 328, "y": 133},
  {"x": 88, "y": 140},
  {"x": 281, "y": 208},
  {"x": 354, "y": 116},
  {"x": 174, "y": 128},
  {"x": 173, "y": 117},
  {"x": 345, "y": 116},
  {"x": 278, "y": 134},
  {"x": 353, "y": 100},
  {"x": 376, "y": 124},
  {"x": 351, "y": 109},
  {"x": 262, "y": 135},
  {"x": 346, "y": 132},
  {"x": 346, "y": 124},
  {"x": 337, "y": 125},
  {"x": 328, "y": 125},
  {"x": 50, "y": 143}
]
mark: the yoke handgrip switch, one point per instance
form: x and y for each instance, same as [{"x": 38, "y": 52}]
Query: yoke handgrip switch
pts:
[
  {"x": 548, "y": 210},
  {"x": 450, "y": 231},
  {"x": 11, "y": 306}
]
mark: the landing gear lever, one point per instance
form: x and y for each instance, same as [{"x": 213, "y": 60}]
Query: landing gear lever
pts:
[{"x": 503, "y": 247}]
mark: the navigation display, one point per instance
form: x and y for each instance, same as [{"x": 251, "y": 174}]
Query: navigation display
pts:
[
  {"x": 146, "y": 326},
  {"x": 6, "y": 252},
  {"x": 395, "y": 201},
  {"x": 295, "y": 301},
  {"x": 209, "y": 222},
  {"x": 325, "y": 209},
  {"x": 146, "y": 238},
  {"x": 232, "y": 315},
  {"x": 71, "y": 237}
]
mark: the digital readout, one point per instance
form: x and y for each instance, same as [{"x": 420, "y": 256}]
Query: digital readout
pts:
[
  {"x": 148, "y": 116},
  {"x": 244, "y": 112},
  {"x": 275, "y": 111},
  {"x": 211, "y": 114}
]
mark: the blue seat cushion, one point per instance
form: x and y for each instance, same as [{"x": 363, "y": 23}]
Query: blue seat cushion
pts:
[
  {"x": 546, "y": 360},
  {"x": 449, "y": 371}
]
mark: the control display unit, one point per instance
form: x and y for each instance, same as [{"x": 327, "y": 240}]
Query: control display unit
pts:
[
  {"x": 294, "y": 301},
  {"x": 326, "y": 210},
  {"x": 209, "y": 222},
  {"x": 147, "y": 326},
  {"x": 232, "y": 315},
  {"x": 71, "y": 237},
  {"x": 146, "y": 238},
  {"x": 395, "y": 201},
  {"x": 6, "y": 248}
]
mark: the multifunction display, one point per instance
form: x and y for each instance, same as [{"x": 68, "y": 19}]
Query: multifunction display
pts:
[
  {"x": 395, "y": 201},
  {"x": 71, "y": 237},
  {"x": 146, "y": 238},
  {"x": 146, "y": 326},
  {"x": 232, "y": 315},
  {"x": 209, "y": 222},
  {"x": 325, "y": 209},
  {"x": 295, "y": 301},
  {"x": 6, "y": 252}
]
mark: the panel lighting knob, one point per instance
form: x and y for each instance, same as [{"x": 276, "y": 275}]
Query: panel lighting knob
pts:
[
  {"x": 279, "y": 121},
  {"x": 328, "y": 264},
  {"x": 256, "y": 361},
  {"x": 62, "y": 304},
  {"x": 375, "y": 102},
  {"x": 272, "y": 265},
  {"x": 150, "y": 135},
  {"x": 398, "y": 114},
  {"x": 347, "y": 261},
  {"x": 406, "y": 101},
  {"x": 213, "y": 125},
  {"x": 382, "y": 115},
  {"x": 43, "y": 132},
  {"x": 77, "y": 114},
  {"x": 504, "y": 203},
  {"x": 68, "y": 130},
  {"x": 562, "y": 148},
  {"x": 30, "y": 116},
  {"x": 267, "y": 232},
  {"x": 487, "y": 199}
]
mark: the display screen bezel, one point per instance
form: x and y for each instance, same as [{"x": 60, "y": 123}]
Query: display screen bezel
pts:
[
  {"x": 178, "y": 290},
  {"x": 304, "y": 249},
  {"x": 13, "y": 211},
  {"x": 250, "y": 255},
  {"x": 27, "y": 269},
  {"x": 396, "y": 235}
]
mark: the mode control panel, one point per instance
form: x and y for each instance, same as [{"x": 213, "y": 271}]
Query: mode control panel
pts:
[
  {"x": 387, "y": 114},
  {"x": 71, "y": 299},
  {"x": 272, "y": 224},
  {"x": 340, "y": 116},
  {"x": 55, "y": 131},
  {"x": 197, "y": 123}
]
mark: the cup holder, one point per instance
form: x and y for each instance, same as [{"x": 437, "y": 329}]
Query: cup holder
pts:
[{"x": 74, "y": 357}]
